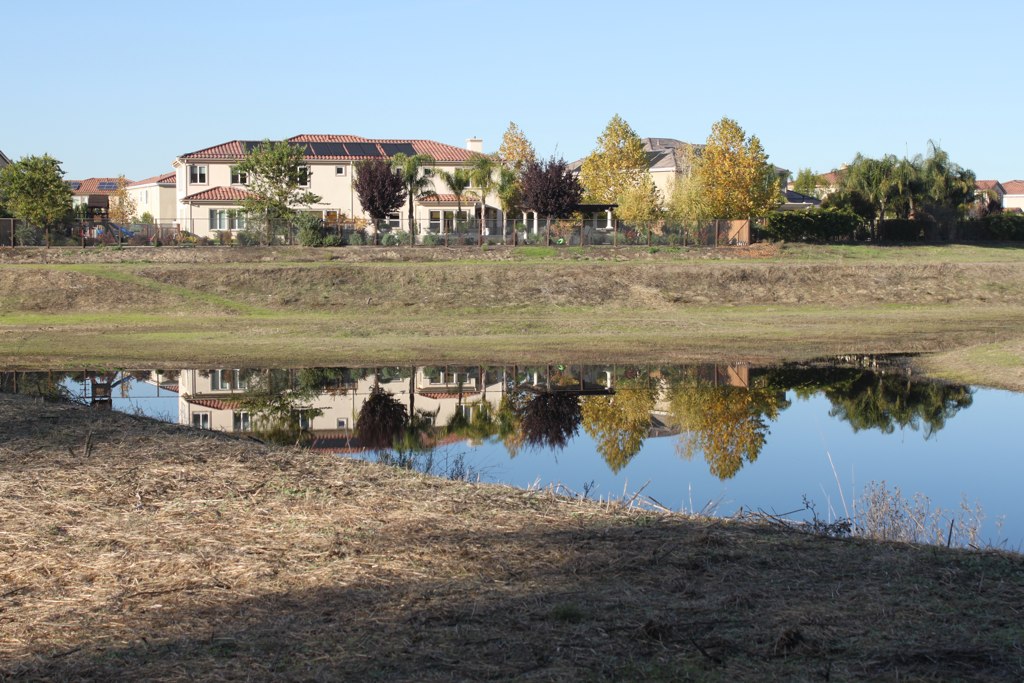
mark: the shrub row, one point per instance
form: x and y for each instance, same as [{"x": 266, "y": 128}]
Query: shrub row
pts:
[{"x": 815, "y": 225}]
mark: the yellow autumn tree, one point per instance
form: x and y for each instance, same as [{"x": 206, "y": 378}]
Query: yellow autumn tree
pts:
[
  {"x": 727, "y": 424},
  {"x": 516, "y": 152},
  {"x": 619, "y": 423},
  {"x": 617, "y": 163},
  {"x": 122, "y": 206},
  {"x": 733, "y": 175},
  {"x": 641, "y": 204}
]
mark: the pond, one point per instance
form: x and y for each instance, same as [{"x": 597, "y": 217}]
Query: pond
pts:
[{"x": 860, "y": 438}]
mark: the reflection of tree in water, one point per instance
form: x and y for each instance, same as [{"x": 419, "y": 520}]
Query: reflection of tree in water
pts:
[
  {"x": 549, "y": 419},
  {"x": 620, "y": 422},
  {"x": 728, "y": 424},
  {"x": 276, "y": 409},
  {"x": 884, "y": 402},
  {"x": 875, "y": 400},
  {"x": 382, "y": 418},
  {"x": 48, "y": 385}
]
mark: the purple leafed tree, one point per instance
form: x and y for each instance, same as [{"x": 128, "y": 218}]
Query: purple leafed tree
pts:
[
  {"x": 550, "y": 188},
  {"x": 380, "y": 189}
]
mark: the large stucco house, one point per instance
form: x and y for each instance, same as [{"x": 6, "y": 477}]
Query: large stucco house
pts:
[
  {"x": 208, "y": 191},
  {"x": 1013, "y": 195}
]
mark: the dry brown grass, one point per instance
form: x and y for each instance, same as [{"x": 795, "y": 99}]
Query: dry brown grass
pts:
[{"x": 133, "y": 550}]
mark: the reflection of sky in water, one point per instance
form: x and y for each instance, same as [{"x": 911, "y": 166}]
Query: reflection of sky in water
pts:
[{"x": 975, "y": 456}]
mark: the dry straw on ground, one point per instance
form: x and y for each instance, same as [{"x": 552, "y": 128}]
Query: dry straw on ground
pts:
[{"x": 132, "y": 550}]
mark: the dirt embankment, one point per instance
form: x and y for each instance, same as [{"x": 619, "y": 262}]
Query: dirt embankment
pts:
[
  {"x": 639, "y": 285},
  {"x": 133, "y": 550}
]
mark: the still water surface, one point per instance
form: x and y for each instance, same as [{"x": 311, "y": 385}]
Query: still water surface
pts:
[{"x": 702, "y": 437}]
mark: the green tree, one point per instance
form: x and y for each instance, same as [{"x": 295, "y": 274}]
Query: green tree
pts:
[
  {"x": 415, "y": 172},
  {"x": 734, "y": 177},
  {"x": 616, "y": 165},
  {"x": 277, "y": 176},
  {"x": 122, "y": 205},
  {"x": 457, "y": 182},
  {"x": 806, "y": 182},
  {"x": 33, "y": 189},
  {"x": 516, "y": 152},
  {"x": 946, "y": 189},
  {"x": 483, "y": 169}
]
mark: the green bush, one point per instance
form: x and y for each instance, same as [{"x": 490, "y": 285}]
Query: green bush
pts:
[
  {"x": 814, "y": 225},
  {"x": 901, "y": 230},
  {"x": 311, "y": 231},
  {"x": 395, "y": 239},
  {"x": 1005, "y": 226},
  {"x": 357, "y": 238},
  {"x": 431, "y": 240},
  {"x": 28, "y": 236},
  {"x": 244, "y": 238},
  {"x": 333, "y": 240}
]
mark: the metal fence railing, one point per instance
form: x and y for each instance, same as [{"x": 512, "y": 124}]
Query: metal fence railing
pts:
[{"x": 467, "y": 232}]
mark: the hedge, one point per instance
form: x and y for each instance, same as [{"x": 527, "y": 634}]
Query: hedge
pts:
[{"x": 814, "y": 225}]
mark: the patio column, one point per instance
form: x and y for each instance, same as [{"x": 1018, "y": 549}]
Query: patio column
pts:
[{"x": 608, "y": 218}]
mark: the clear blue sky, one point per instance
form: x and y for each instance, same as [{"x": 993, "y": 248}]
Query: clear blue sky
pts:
[{"x": 124, "y": 87}]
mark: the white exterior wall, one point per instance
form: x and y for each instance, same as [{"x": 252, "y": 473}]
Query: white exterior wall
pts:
[
  {"x": 1013, "y": 201},
  {"x": 158, "y": 200}
]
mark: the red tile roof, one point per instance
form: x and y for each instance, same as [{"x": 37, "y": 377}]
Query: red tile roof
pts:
[
  {"x": 215, "y": 403},
  {"x": 1014, "y": 186},
  {"x": 218, "y": 194},
  {"x": 165, "y": 179},
  {"x": 831, "y": 178},
  {"x": 235, "y": 149},
  {"x": 446, "y": 199},
  {"x": 445, "y": 394},
  {"x": 90, "y": 186}
]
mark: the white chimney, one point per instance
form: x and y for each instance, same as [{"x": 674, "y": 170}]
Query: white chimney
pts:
[{"x": 475, "y": 145}]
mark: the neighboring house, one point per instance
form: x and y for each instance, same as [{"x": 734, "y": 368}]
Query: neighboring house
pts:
[
  {"x": 4, "y": 160},
  {"x": 669, "y": 159},
  {"x": 796, "y": 201},
  {"x": 209, "y": 192},
  {"x": 1013, "y": 195},
  {"x": 156, "y": 196},
  {"x": 93, "y": 193}
]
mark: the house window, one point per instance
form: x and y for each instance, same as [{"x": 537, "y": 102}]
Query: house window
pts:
[
  {"x": 394, "y": 220},
  {"x": 342, "y": 423},
  {"x": 201, "y": 420},
  {"x": 435, "y": 221},
  {"x": 239, "y": 177},
  {"x": 226, "y": 219},
  {"x": 197, "y": 175},
  {"x": 339, "y": 170},
  {"x": 305, "y": 421},
  {"x": 241, "y": 421},
  {"x": 303, "y": 172}
]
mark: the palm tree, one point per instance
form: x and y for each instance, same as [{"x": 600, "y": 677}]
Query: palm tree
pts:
[
  {"x": 458, "y": 182},
  {"x": 482, "y": 172},
  {"x": 417, "y": 183}
]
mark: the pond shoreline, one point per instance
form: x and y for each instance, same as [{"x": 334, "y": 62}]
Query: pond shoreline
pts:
[{"x": 136, "y": 549}]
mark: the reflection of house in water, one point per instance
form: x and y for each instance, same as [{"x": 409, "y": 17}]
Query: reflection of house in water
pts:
[{"x": 214, "y": 399}]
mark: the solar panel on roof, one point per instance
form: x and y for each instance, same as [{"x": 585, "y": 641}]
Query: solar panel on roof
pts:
[
  {"x": 74, "y": 185},
  {"x": 362, "y": 149},
  {"x": 393, "y": 148},
  {"x": 329, "y": 149},
  {"x": 107, "y": 185}
]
